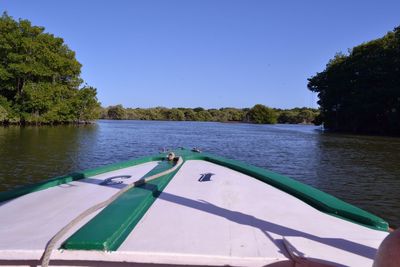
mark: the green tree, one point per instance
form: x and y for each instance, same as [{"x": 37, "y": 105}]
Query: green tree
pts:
[
  {"x": 234, "y": 114},
  {"x": 218, "y": 115},
  {"x": 262, "y": 115},
  {"x": 3, "y": 114},
  {"x": 198, "y": 109},
  {"x": 305, "y": 116},
  {"x": 203, "y": 115},
  {"x": 39, "y": 75},
  {"x": 4, "y": 109},
  {"x": 360, "y": 92},
  {"x": 190, "y": 115},
  {"x": 86, "y": 106},
  {"x": 288, "y": 116},
  {"x": 175, "y": 115},
  {"x": 116, "y": 112}
]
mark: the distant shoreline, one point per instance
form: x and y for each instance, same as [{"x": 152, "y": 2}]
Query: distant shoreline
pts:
[
  {"x": 257, "y": 114},
  {"x": 227, "y": 122},
  {"x": 23, "y": 124},
  {"x": 4, "y": 125}
]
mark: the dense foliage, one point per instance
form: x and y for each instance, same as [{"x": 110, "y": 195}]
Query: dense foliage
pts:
[
  {"x": 257, "y": 114},
  {"x": 40, "y": 78},
  {"x": 360, "y": 92},
  {"x": 262, "y": 115}
]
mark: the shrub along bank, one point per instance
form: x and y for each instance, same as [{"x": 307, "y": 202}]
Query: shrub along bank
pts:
[{"x": 258, "y": 114}]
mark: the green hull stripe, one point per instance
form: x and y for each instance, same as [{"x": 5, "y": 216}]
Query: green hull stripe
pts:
[
  {"x": 23, "y": 190},
  {"x": 144, "y": 196},
  {"x": 310, "y": 195},
  {"x": 108, "y": 229}
]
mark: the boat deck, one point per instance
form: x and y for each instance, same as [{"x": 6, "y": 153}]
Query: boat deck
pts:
[
  {"x": 30, "y": 221},
  {"x": 236, "y": 216},
  {"x": 207, "y": 215}
]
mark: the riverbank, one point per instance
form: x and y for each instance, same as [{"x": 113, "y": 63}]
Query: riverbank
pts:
[
  {"x": 8, "y": 123},
  {"x": 257, "y": 114}
]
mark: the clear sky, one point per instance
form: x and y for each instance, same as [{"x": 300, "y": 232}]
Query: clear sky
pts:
[{"x": 209, "y": 53}]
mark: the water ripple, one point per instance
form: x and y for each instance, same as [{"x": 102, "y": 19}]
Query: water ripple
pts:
[{"x": 362, "y": 170}]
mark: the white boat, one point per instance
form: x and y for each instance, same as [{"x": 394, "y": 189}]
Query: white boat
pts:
[{"x": 195, "y": 209}]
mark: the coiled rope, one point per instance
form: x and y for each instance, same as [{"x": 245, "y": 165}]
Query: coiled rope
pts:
[{"x": 50, "y": 245}]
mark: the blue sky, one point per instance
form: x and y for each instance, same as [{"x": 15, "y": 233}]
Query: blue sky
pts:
[{"x": 209, "y": 53}]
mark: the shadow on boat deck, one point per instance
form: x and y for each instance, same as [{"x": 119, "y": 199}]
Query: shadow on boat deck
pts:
[
  {"x": 265, "y": 227},
  {"x": 88, "y": 263},
  {"x": 269, "y": 227}
]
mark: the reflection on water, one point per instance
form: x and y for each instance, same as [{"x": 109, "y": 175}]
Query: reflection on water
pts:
[
  {"x": 30, "y": 154},
  {"x": 362, "y": 170}
]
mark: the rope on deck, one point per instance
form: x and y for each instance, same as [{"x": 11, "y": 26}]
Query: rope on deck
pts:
[{"x": 51, "y": 244}]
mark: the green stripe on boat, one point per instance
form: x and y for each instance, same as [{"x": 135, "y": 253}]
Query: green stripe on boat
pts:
[
  {"x": 108, "y": 229},
  {"x": 23, "y": 190},
  {"x": 312, "y": 196}
]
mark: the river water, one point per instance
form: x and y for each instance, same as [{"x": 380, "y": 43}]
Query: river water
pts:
[{"x": 362, "y": 170}]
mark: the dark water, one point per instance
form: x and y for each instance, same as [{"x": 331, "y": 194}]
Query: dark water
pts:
[{"x": 362, "y": 170}]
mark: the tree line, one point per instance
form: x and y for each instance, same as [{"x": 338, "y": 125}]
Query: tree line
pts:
[
  {"x": 359, "y": 91},
  {"x": 258, "y": 114},
  {"x": 40, "y": 78}
]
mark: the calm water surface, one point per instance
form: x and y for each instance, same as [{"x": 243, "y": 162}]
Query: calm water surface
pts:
[{"x": 362, "y": 170}]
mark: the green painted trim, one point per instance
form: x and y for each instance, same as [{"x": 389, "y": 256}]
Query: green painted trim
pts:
[
  {"x": 23, "y": 190},
  {"x": 310, "y": 195},
  {"x": 108, "y": 229}
]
